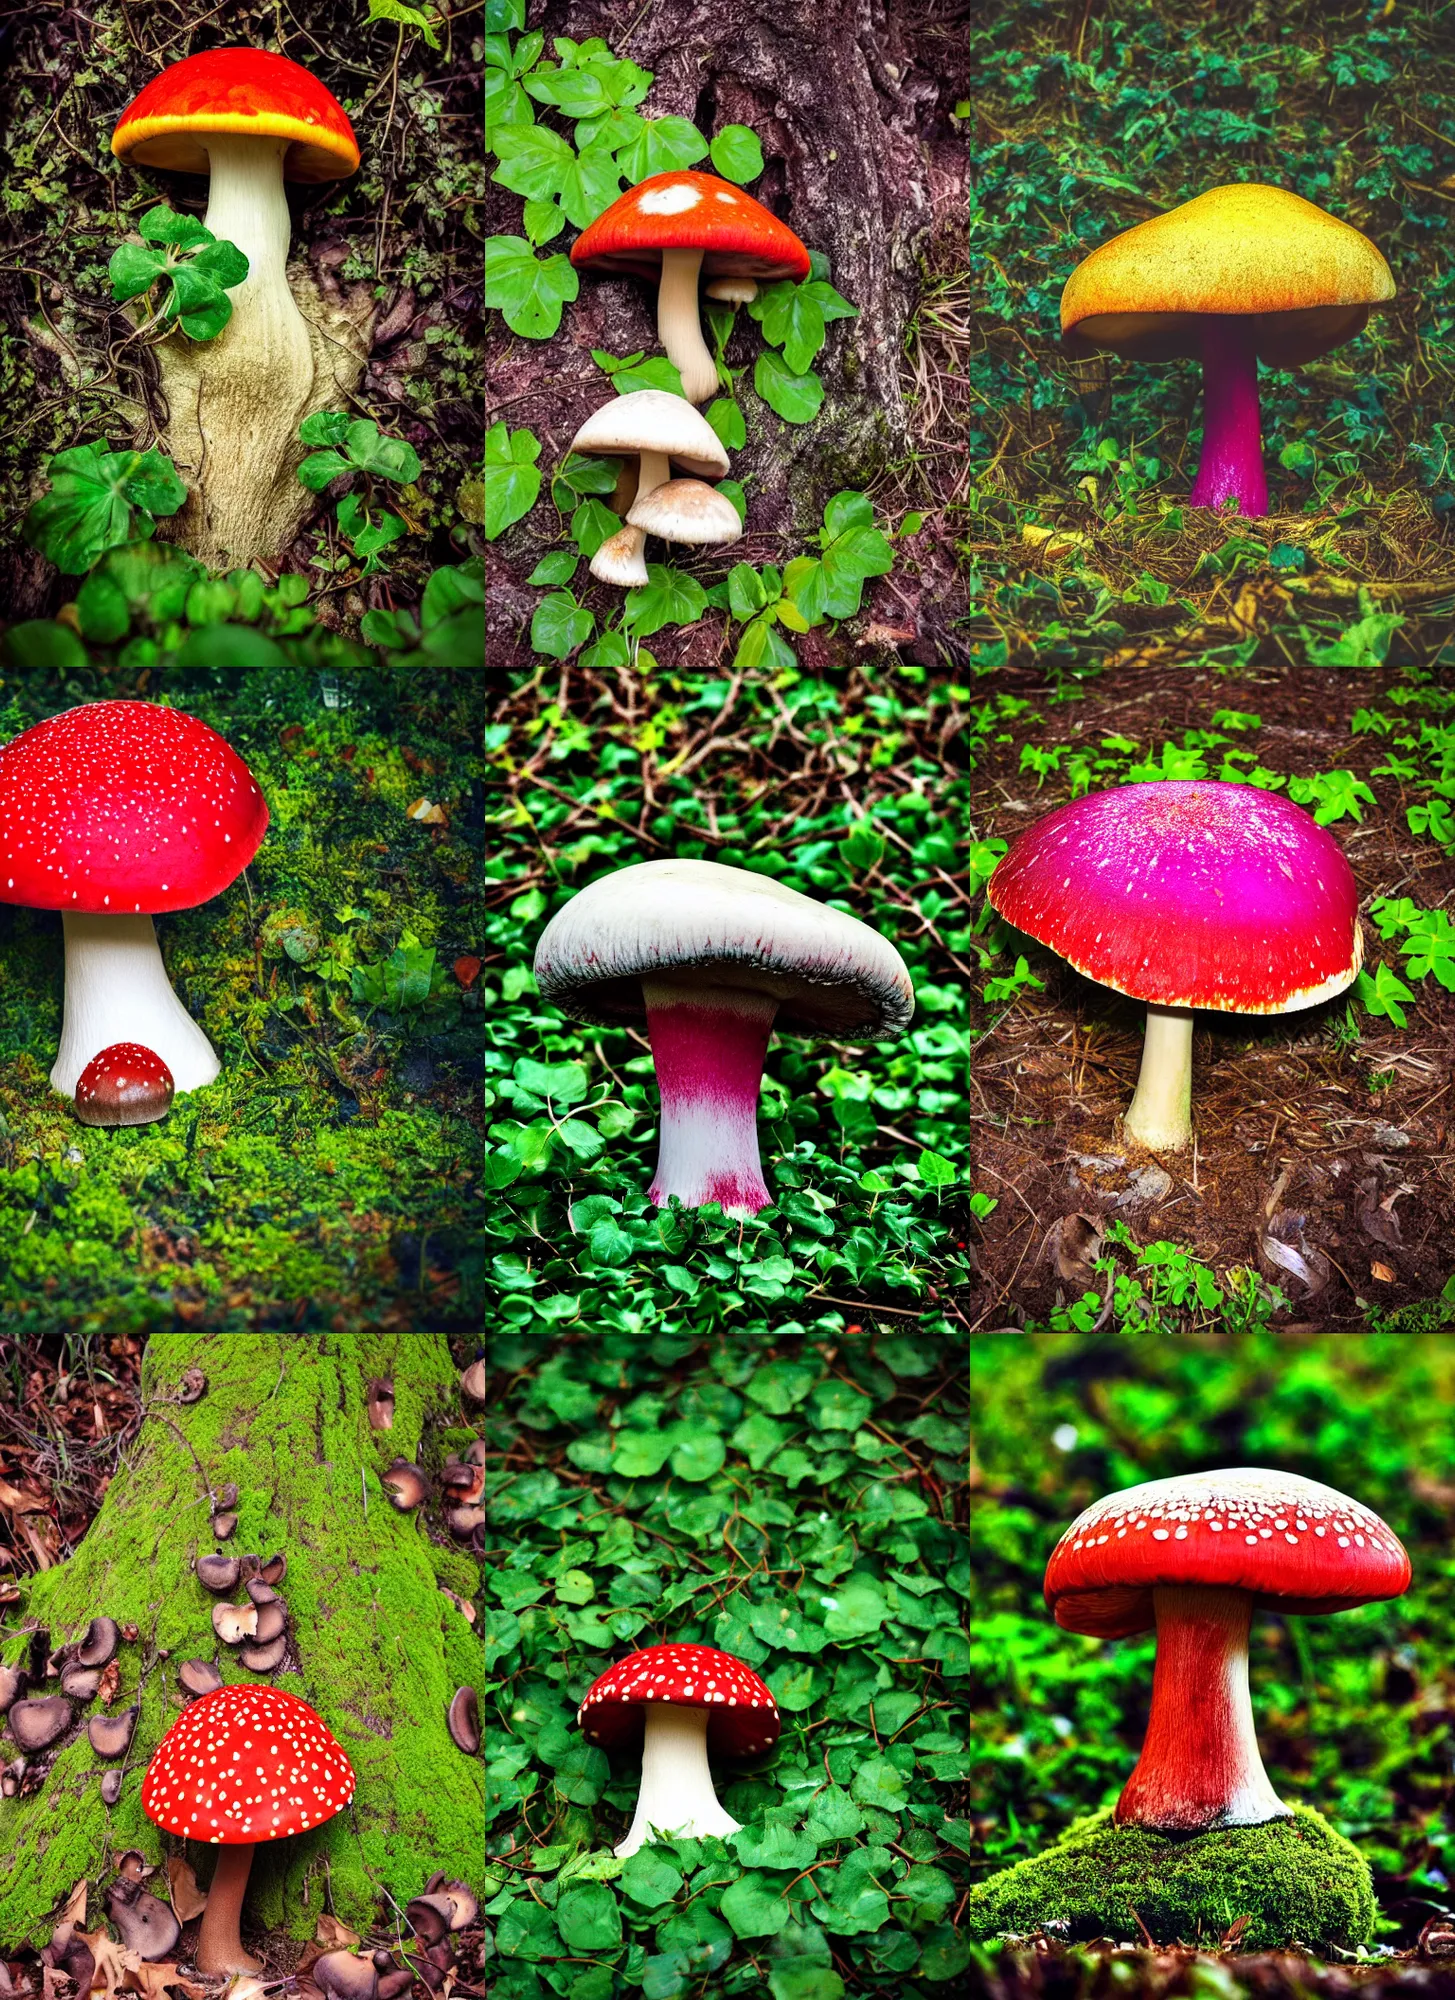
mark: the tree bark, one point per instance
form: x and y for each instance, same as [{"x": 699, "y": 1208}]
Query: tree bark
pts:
[{"x": 374, "y": 1644}]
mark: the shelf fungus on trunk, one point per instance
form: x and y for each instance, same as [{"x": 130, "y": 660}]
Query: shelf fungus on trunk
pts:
[
  {"x": 1194, "y": 1557},
  {"x": 251, "y": 121}
]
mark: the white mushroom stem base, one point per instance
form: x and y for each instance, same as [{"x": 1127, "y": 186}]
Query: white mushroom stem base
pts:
[
  {"x": 708, "y": 1045},
  {"x": 117, "y": 990},
  {"x": 1160, "y": 1114},
  {"x": 676, "y": 1794},
  {"x": 620, "y": 559},
  {"x": 219, "y": 1947},
  {"x": 679, "y": 328},
  {"x": 1200, "y": 1766}
]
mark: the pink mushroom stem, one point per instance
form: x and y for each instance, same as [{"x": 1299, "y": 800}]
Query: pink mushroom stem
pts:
[
  {"x": 219, "y": 1946},
  {"x": 1231, "y": 466},
  {"x": 1200, "y": 1766},
  {"x": 708, "y": 1045}
]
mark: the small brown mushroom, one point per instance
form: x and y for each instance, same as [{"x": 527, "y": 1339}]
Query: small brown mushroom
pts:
[
  {"x": 111, "y": 1788},
  {"x": 274, "y": 1569},
  {"x": 35, "y": 1725},
  {"x": 476, "y": 1454},
  {"x": 392, "y": 1984},
  {"x": 147, "y": 1926},
  {"x": 133, "y": 1865},
  {"x": 432, "y": 1964},
  {"x": 379, "y": 1401},
  {"x": 234, "y": 1622},
  {"x": 272, "y": 1621},
  {"x": 218, "y": 1573},
  {"x": 473, "y": 1381},
  {"x": 194, "y": 1386},
  {"x": 264, "y": 1659},
  {"x": 463, "y": 1483},
  {"x": 80, "y": 1683},
  {"x": 464, "y": 1720},
  {"x": 262, "y": 1593},
  {"x": 223, "y": 1525},
  {"x": 111, "y": 1734},
  {"x": 404, "y": 1483},
  {"x": 103, "y": 1636},
  {"x": 343, "y": 1977},
  {"x": 72, "y": 1955},
  {"x": 227, "y": 1497},
  {"x": 430, "y": 1917},
  {"x": 464, "y": 1521},
  {"x": 12, "y": 1681},
  {"x": 10, "y": 1782},
  {"x": 199, "y": 1676},
  {"x": 462, "y": 1900}
]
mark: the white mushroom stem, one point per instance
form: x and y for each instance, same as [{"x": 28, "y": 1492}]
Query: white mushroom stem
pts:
[
  {"x": 1200, "y": 1766},
  {"x": 219, "y": 1946},
  {"x": 676, "y": 1794},
  {"x": 1160, "y": 1114},
  {"x": 117, "y": 990},
  {"x": 708, "y": 1045},
  {"x": 679, "y": 328},
  {"x": 621, "y": 554}
]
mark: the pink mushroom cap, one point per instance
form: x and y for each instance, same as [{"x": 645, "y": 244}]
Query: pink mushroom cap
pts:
[
  {"x": 742, "y": 1716},
  {"x": 1189, "y": 893}
]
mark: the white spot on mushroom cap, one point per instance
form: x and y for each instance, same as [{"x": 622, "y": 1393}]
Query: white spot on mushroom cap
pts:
[{"x": 675, "y": 199}]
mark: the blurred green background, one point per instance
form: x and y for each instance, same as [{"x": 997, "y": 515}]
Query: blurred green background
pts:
[{"x": 1352, "y": 1711}]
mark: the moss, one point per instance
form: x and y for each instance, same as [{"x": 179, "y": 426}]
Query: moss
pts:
[
  {"x": 380, "y": 1648},
  {"x": 1296, "y": 1880}
]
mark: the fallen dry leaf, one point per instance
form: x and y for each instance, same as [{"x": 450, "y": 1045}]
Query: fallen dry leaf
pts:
[
  {"x": 153, "y": 1980},
  {"x": 460, "y": 1603},
  {"x": 331, "y": 1933},
  {"x": 188, "y": 1901},
  {"x": 112, "y": 1962},
  {"x": 21, "y": 1503},
  {"x": 109, "y": 1685},
  {"x": 75, "y": 1910},
  {"x": 58, "y": 1985},
  {"x": 428, "y": 814},
  {"x": 244, "y": 1986}
]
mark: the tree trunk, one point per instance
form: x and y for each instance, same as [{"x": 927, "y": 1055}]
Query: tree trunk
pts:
[
  {"x": 374, "y": 1645},
  {"x": 826, "y": 84}
]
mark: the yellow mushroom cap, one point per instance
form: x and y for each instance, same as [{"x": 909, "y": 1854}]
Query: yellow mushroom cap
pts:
[{"x": 1308, "y": 279}]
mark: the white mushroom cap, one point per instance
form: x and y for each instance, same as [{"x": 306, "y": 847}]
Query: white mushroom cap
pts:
[
  {"x": 619, "y": 560},
  {"x": 700, "y": 923},
  {"x": 684, "y": 510},
  {"x": 653, "y": 420}
]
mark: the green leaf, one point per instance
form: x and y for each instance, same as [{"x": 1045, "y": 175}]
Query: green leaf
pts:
[
  {"x": 528, "y": 291},
  {"x": 859, "y": 1609},
  {"x": 640, "y": 1454},
  {"x": 591, "y": 524},
  {"x": 759, "y": 1437},
  {"x": 668, "y": 597},
  {"x": 581, "y": 1774},
  {"x": 407, "y": 17},
  {"x": 133, "y": 270},
  {"x": 661, "y": 146},
  {"x": 320, "y": 468},
  {"x": 95, "y": 500},
  {"x": 746, "y": 595},
  {"x": 46, "y": 646},
  {"x": 554, "y": 569},
  {"x": 796, "y": 398},
  {"x": 556, "y": 1084},
  {"x": 775, "y": 1842},
  {"x": 383, "y": 457},
  {"x": 736, "y": 154},
  {"x": 332, "y": 427},
  {"x": 512, "y": 478},
  {"x": 532, "y": 161},
  {"x": 935, "y": 1170},
  {"x": 698, "y": 1457},
  {"x": 839, "y": 1406},
  {"x": 763, "y": 645},
  {"x": 944, "y": 1954},
  {"x": 163, "y": 224},
  {"x": 834, "y": 1816},
  {"x": 649, "y": 1878},
  {"x": 879, "y": 1783},
  {"x": 560, "y": 625},
  {"x": 798, "y": 1979},
  {"x": 755, "y": 1906},
  {"x": 588, "y": 1917},
  {"x": 726, "y": 418},
  {"x": 590, "y": 184},
  {"x": 780, "y": 1386},
  {"x": 542, "y": 221}
]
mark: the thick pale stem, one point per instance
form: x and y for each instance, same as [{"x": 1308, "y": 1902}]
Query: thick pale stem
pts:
[
  {"x": 678, "y": 327},
  {"x": 677, "y": 1794},
  {"x": 117, "y": 990},
  {"x": 1200, "y": 1766},
  {"x": 620, "y": 559},
  {"x": 1160, "y": 1114},
  {"x": 1231, "y": 466},
  {"x": 219, "y": 1947},
  {"x": 708, "y": 1045}
]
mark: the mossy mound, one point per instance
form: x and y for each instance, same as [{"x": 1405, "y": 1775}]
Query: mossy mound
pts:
[{"x": 1296, "y": 1880}]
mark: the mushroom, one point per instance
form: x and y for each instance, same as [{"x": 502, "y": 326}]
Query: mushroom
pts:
[
  {"x": 431, "y": 1964},
  {"x": 430, "y": 1917},
  {"x": 1194, "y": 1557},
  {"x": 111, "y": 1734},
  {"x": 274, "y": 1569},
  {"x": 684, "y": 510},
  {"x": 712, "y": 956},
  {"x": 379, "y": 1402},
  {"x": 98, "y": 1648},
  {"x": 677, "y": 1702},
  {"x": 199, "y": 1676},
  {"x": 12, "y": 1680},
  {"x": 404, "y": 1483},
  {"x": 132, "y": 1864},
  {"x": 472, "y": 1381},
  {"x": 463, "y": 1483},
  {"x": 147, "y": 1926},
  {"x": 111, "y": 1788},
  {"x": 732, "y": 291},
  {"x": 463, "y": 1521},
  {"x": 342, "y": 1976},
  {"x": 464, "y": 1908},
  {"x": 1238, "y": 275},
  {"x": 124, "y": 1084},
  {"x": 227, "y": 1495},
  {"x": 262, "y": 1593},
  {"x": 272, "y": 1621},
  {"x": 35, "y": 1725},
  {"x": 251, "y": 121},
  {"x": 113, "y": 813},
  {"x": 678, "y": 225},
  {"x": 464, "y": 1720},
  {"x": 306, "y": 1781},
  {"x": 234, "y": 1622},
  {"x": 218, "y": 1574},
  {"x": 1186, "y": 893},
  {"x": 392, "y": 1984},
  {"x": 259, "y": 1659},
  {"x": 80, "y": 1683},
  {"x": 223, "y": 1525},
  {"x": 14, "y": 1774},
  {"x": 194, "y": 1382},
  {"x": 655, "y": 427}
]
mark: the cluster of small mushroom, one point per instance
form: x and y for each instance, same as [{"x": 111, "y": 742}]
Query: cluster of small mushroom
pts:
[
  {"x": 258, "y": 1629},
  {"x": 673, "y": 227},
  {"x": 39, "y": 1723},
  {"x": 443, "y": 1909}
]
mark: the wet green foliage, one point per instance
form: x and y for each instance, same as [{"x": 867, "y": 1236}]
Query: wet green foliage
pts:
[
  {"x": 1351, "y": 1710},
  {"x": 793, "y": 1496}
]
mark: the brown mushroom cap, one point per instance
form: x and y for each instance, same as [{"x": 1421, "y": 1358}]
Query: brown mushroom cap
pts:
[
  {"x": 264, "y": 1659},
  {"x": 199, "y": 1676},
  {"x": 80, "y": 1683},
  {"x": 473, "y": 1381},
  {"x": 194, "y": 1386},
  {"x": 274, "y": 1569},
  {"x": 404, "y": 1483},
  {"x": 430, "y": 1917},
  {"x": 343, "y": 1977},
  {"x": 111, "y": 1734},
  {"x": 218, "y": 1574},
  {"x": 223, "y": 1525},
  {"x": 262, "y": 1593},
  {"x": 227, "y": 1495},
  {"x": 379, "y": 1401},
  {"x": 465, "y": 1908},
  {"x": 392, "y": 1984},
  {"x": 464, "y": 1720},
  {"x": 10, "y": 1782},
  {"x": 35, "y": 1725},
  {"x": 12, "y": 1680},
  {"x": 111, "y": 1788},
  {"x": 103, "y": 1636},
  {"x": 464, "y": 1521},
  {"x": 272, "y": 1621},
  {"x": 234, "y": 1622},
  {"x": 463, "y": 1483},
  {"x": 147, "y": 1926}
]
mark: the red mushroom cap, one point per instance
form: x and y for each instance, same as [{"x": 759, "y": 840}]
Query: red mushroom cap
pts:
[
  {"x": 121, "y": 806},
  {"x": 1293, "y": 1544},
  {"x": 1189, "y": 893},
  {"x": 249, "y": 93},
  {"x": 738, "y": 237},
  {"x": 245, "y": 1764},
  {"x": 742, "y": 1716},
  {"x": 125, "y": 1084}
]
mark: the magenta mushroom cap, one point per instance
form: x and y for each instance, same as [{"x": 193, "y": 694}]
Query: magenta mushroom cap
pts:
[
  {"x": 1189, "y": 893},
  {"x": 742, "y": 1716},
  {"x": 246, "y": 1764},
  {"x": 122, "y": 808}
]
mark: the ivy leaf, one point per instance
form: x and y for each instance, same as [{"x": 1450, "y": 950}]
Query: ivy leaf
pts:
[
  {"x": 578, "y": 93},
  {"x": 698, "y": 1457},
  {"x": 737, "y": 154},
  {"x": 321, "y": 468},
  {"x": 331, "y": 427},
  {"x": 726, "y": 418},
  {"x": 661, "y": 146},
  {"x": 100, "y": 499},
  {"x": 755, "y": 1906},
  {"x": 407, "y": 17},
  {"x": 556, "y": 568},
  {"x": 668, "y": 597},
  {"x": 533, "y": 161},
  {"x": 763, "y": 645},
  {"x": 560, "y": 625},
  {"x": 800, "y": 1979},
  {"x": 650, "y": 1879},
  {"x": 591, "y": 524},
  {"x": 383, "y": 457},
  {"x": 528, "y": 291},
  {"x": 796, "y": 398},
  {"x": 590, "y": 184},
  {"x": 589, "y": 1917},
  {"x": 775, "y": 1842}
]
